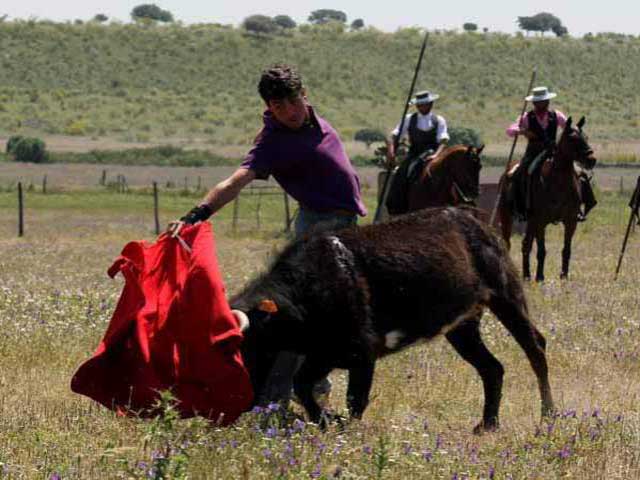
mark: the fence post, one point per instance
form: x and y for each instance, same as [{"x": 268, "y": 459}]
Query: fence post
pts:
[
  {"x": 234, "y": 222},
  {"x": 44, "y": 184},
  {"x": 199, "y": 183},
  {"x": 103, "y": 178},
  {"x": 258, "y": 208},
  {"x": 20, "y": 210},
  {"x": 156, "y": 215},
  {"x": 287, "y": 213}
]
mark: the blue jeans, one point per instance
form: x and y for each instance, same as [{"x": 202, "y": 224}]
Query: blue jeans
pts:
[{"x": 309, "y": 221}]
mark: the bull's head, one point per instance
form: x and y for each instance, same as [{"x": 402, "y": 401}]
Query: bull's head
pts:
[{"x": 259, "y": 325}]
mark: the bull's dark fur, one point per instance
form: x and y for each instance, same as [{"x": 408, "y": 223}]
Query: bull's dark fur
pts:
[{"x": 340, "y": 293}]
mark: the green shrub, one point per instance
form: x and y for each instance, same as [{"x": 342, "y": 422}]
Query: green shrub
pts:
[
  {"x": 29, "y": 149},
  {"x": 464, "y": 136},
  {"x": 12, "y": 142},
  {"x": 369, "y": 136}
]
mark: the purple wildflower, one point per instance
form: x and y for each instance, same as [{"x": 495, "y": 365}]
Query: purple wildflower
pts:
[
  {"x": 565, "y": 452},
  {"x": 273, "y": 407},
  {"x": 438, "y": 441},
  {"x": 271, "y": 432},
  {"x": 367, "y": 449},
  {"x": 317, "y": 472},
  {"x": 427, "y": 455},
  {"x": 55, "y": 476},
  {"x": 267, "y": 453},
  {"x": 298, "y": 425},
  {"x": 492, "y": 473}
]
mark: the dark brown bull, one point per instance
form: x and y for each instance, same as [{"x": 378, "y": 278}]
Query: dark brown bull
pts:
[{"x": 344, "y": 299}]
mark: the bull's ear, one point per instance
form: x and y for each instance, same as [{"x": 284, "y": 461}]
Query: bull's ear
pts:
[
  {"x": 580, "y": 124},
  {"x": 569, "y": 123},
  {"x": 242, "y": 318},
  {"x": 268, "y": 306},
  {"x": 480, "y": 149}
]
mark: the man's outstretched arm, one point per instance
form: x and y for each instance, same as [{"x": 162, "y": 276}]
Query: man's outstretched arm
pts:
[{"x": 218, "y": 197}]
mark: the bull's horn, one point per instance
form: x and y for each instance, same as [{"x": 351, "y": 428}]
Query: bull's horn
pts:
[{"x": 243, "y": 320}]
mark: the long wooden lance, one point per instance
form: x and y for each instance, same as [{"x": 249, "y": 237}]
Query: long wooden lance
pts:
[
  {"x": 635, "y": 207},
  {"x": 396, "y": 141},
  {"x": 513, "y": 147}
]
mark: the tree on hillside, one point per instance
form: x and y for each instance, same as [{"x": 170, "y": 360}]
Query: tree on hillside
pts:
[
  {"x": 100, "y": 18},
  {"x": 560, "y": 30},
  {"x": 369, "y": 136},
  {"x": 357, "y": 24},
  {"x": 470, "y": 27},
  {"x": 542, "y": 22},
  {"x": 3, "y": 17},
  {"x": 284, "y": 21},
  {"x": 150, "y": 11},
  {"x": 260, "y": 24},
  {"x": 326, "y": 15}
]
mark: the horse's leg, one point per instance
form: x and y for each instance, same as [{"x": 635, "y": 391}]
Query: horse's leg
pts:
[
  {"x": 467, "y": 341},
  {"x": 527, "y": 243},
  {"x": 541, "y": 254},
  {"x": 569, "y": 230}
]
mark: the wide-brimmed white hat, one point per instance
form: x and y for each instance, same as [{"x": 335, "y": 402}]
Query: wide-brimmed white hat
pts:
[
  {"x": 540, "y": 94},
  {"x": 423, "y": 97}
]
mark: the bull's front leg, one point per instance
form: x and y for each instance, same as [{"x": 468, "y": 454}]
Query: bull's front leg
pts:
[
  {"x": 360, "y": 380},
  {"x": 309, "y": 374}
]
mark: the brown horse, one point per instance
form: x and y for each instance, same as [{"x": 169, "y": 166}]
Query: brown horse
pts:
[
  {"x": 452, "y": 179},
  {"x": 555, "y": 197}
]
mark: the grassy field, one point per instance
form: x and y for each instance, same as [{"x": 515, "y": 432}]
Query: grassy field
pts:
[
  {"x": 56, "y": 300},
  {"x": 197, "y": 84}
]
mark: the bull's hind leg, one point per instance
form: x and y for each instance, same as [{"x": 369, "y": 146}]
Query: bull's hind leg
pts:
[
  {"x": 513, "y": 315},
  {"x": 467, "y": 341}
]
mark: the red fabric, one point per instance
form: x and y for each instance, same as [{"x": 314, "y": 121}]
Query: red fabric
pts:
[{"x": 172, "y": 329}]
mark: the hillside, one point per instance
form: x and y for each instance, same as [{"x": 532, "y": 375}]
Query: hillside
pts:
[{"x": 138, "y": 83}]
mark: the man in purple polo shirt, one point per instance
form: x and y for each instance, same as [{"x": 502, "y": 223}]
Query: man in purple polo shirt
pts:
[
  {"x": 305, "y": 155},
  {"x": 302, "y": 152}
]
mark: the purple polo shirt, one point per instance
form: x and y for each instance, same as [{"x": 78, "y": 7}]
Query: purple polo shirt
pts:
[{"x": 310, "y": 164}]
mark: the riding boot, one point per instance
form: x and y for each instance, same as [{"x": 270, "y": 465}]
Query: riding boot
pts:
[
  {"x": 588, "y": 197},
  {"x": 397, "y": 201}
]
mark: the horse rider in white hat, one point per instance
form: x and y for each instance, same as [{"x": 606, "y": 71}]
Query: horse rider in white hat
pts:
[
  {"x": 428, "y": 137},
  {"x": 540, "y": 127}
]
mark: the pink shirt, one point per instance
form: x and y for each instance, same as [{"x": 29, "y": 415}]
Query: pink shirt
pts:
[{"x": 543, "y": 120}]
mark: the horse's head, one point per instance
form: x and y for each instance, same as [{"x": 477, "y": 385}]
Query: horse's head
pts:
[
  {"x": 575, "y": 143},
  {"x": 466, "y": 173}
]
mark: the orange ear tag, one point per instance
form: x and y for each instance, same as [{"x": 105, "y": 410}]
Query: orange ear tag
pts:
[{"x": 268, "y": 306}]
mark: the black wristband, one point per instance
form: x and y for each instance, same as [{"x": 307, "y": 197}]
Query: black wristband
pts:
[{"x": 197, "y": 214}]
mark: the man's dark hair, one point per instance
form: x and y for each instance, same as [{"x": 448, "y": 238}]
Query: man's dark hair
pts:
[{"x": 278, "y": 82}]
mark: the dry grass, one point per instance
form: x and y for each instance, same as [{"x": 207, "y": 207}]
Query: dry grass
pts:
[{"x": 55, "y": 302}]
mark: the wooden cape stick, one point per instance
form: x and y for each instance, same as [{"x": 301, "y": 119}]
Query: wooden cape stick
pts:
[
  {"x": 396, "y": 141},
  {"x": 513, "y": 147},
  {"x": 635, "y": 206}
]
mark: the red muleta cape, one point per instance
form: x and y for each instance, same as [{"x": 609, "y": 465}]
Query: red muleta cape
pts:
[{"x": 172, "y": 329}]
